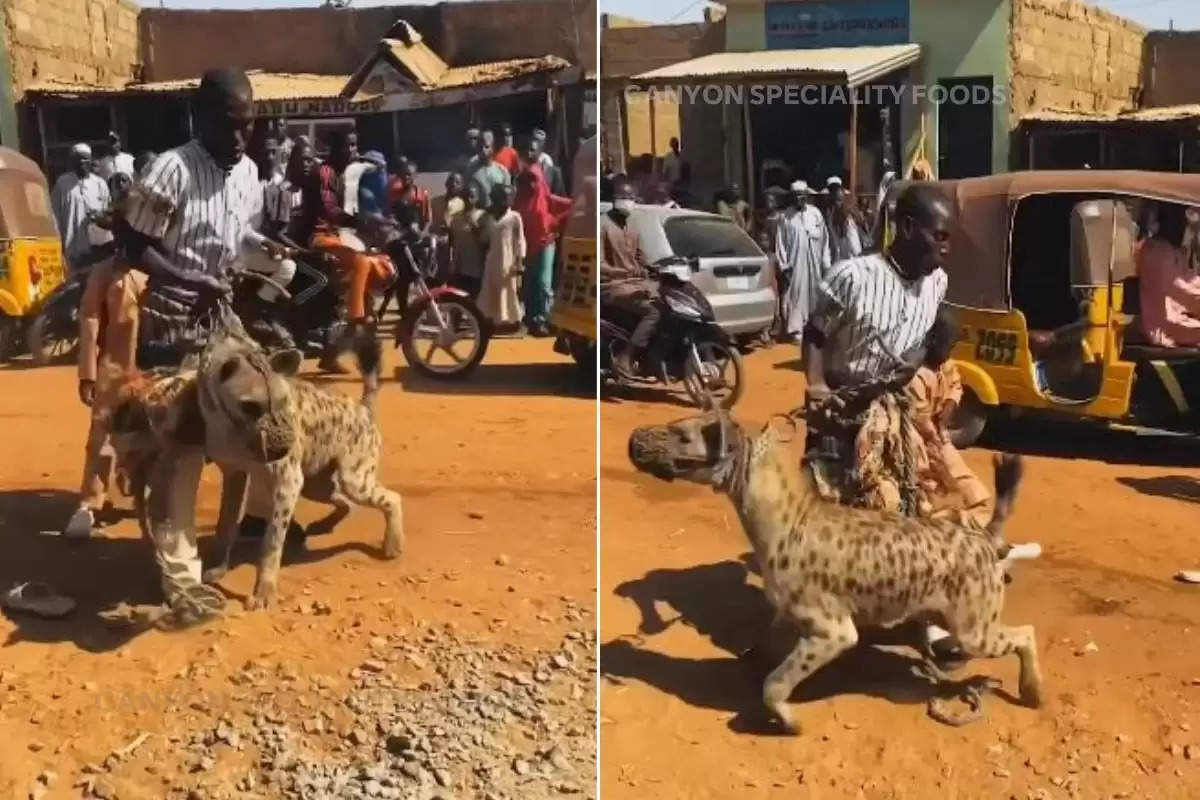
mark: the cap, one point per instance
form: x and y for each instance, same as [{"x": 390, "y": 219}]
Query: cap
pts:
[
  {"x": 833, "y": 181},
  {"x": 801, "y": 187},
  {"x": 81, "y": 149},
  {"x": 472, "y": 131}
]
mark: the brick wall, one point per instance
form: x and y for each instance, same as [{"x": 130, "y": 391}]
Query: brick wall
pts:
[
  {"x": 1068, "y": 55},
  {"x": 92, "y": 41},
  {"x": 1171, "y": 68},
  {"x": 336, "y": 41}
]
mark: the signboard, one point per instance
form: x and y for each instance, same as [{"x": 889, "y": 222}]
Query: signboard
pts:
[{"x": 801, "y": 24}]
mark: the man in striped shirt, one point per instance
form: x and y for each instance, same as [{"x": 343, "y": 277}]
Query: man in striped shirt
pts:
[
  {"x": 185, "y": 224},
  {"x": 873, "y": 310}
]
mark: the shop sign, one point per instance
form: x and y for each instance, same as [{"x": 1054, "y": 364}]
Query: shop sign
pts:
[{"x": 800, "y": 24}]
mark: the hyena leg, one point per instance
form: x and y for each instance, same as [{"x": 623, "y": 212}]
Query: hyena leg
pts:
[
  {"x": 823, "y": 637},
  {"x": 366, "y": 490},
  {"x": 233, "y": 503},
  {"x": 287, "y": 483},
  {"x": 998, "y": 641}
]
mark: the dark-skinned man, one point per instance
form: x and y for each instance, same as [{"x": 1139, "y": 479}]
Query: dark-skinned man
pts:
[
  {"x": 624, "y": 274},
  {"x": 873, "y": 312},
  {"x": 184, "y": 226}
]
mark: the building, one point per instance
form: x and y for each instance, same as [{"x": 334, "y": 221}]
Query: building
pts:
[
  {"x": 121, "y": 65},
  {"x": 809, "y": 89},
  {"x": 636, "y": 122}
]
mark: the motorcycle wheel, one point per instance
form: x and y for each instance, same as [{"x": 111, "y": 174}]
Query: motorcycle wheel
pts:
[
  {"x": 422, "y": 339},
  {"x": 52, "y": 341},
  {"x": 723, "y": 375},
  {"x": 583, "y": 352}
]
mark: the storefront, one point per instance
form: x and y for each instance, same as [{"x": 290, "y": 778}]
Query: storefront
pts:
[{"x": 943, "y": 83}]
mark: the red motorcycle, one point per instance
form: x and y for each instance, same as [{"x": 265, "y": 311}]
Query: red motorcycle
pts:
[{"x": 442, "y": 333}]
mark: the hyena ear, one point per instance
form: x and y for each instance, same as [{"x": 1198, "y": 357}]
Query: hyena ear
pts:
[{"x": 286, "y": 362}]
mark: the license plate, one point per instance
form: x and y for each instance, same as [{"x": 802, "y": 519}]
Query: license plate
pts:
[{"x": 738, "y": 283}]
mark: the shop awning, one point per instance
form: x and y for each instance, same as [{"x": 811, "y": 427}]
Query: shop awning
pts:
[{"x": 853, "y": 66}]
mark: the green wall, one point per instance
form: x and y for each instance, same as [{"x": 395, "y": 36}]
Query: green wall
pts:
[
  {"x": 958, "y": 38},
  {"x": 963, "y": 39}
]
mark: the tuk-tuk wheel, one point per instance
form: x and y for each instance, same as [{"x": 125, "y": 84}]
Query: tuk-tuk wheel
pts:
[
  {"x": 11, "y": 337},
  {"x": 968, "y": 422}
]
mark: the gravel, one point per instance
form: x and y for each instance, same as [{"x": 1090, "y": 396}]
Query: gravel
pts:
[{"x": 432, "y": 715}]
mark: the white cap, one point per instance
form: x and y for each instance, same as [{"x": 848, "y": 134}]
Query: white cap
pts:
[
  {"x": 833, "y": 181},
  {"x": 800, "y": 187},
  {"x": 81, "y": 149}
]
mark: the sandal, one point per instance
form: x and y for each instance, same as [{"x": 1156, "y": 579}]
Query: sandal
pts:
[
  {"x": 1188, "y": 576},
  {"x": 39, "y": 599}
]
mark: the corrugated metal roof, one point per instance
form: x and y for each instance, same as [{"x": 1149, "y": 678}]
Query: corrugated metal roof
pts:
[
  {"x": 854, "y": 65},
  {"x": 474, "y": 74},
  {"x": 1163, "y": 114},
  {"x": 267, "y": 86}
]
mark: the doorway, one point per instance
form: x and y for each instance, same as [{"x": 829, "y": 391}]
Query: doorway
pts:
[{"x": 964, "y": 127}]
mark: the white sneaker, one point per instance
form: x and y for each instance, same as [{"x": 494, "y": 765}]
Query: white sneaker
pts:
[
  {"x": 80, "y": 525},
  {"x": 935, "y": 634}
]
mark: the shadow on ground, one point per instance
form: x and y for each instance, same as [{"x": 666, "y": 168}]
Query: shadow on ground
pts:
[
  {"x": 1091, "y": 442},
  {"x": 100, "y": 574},
  {"x": 505, "y": 380},
  {"x": 1175, "y": 487},
  {"x": 719, "y": 603}
]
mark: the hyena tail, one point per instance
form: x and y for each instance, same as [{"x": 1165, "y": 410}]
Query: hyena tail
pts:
[
  {"x": 370, "y": 358},
  {"x": 1010, "y": 469}
]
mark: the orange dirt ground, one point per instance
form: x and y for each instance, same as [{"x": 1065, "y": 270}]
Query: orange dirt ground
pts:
[
  {"x": 498, "y": 479},
  {"x": 1116, "y": 516}
]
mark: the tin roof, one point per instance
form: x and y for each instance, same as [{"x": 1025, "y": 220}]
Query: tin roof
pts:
[
  {"x": 852, "y": 65},
  {"x": 266, "y": 85},
  {"x": 1163, "y": 114},
  {"x": 405, "y": 50}
]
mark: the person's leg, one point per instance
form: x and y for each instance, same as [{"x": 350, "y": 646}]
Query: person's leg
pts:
[
  {"x": 962, "y": 479},
  {"x": 639, "y": 341},
  {"x": 527, "y": 290},
  {"x": 545, "y": 286}
]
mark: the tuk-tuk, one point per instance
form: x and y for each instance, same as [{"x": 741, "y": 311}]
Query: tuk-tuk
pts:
[
  {"x": 31, "y": 257},
  {"x": 1044, "y": 284},
  {"x": 574, "y": 313}
]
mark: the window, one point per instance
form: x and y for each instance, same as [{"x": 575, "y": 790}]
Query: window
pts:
[{"x": 708, "y": 237}]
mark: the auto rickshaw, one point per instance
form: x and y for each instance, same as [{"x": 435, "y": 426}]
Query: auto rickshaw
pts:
[
  {"x": 31, "y": 257},
  {"x": 1043, "y": 278},
  {"x": 574, "y": 313}
]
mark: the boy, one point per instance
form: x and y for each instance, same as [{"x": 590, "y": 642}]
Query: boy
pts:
[{"x": 934, "y": 393}]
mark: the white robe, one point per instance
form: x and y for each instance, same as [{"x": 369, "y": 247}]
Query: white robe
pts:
[
  {"x": 802, "y": 249},
  {"x": 500, "y": 293}
]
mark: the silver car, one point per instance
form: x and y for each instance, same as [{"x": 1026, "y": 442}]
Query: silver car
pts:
[{"x": 734, "y": 272}]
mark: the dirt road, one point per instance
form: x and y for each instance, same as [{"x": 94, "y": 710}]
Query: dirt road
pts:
[
  {"x": 1118, "y": 639},
  {"x": 468, "y": 662}
]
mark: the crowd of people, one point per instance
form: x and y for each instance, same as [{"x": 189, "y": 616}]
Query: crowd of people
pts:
[{"x": 256, "y": 198}]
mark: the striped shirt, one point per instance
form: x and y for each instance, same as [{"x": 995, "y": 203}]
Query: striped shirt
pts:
[
  {"x": 72, "y": 200},
  {"x": 197, "y": 209},
  {"x": 871, "y": 317}
]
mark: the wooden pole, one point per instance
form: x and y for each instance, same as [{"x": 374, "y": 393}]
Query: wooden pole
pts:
[
  {"x": 750, "y": 194},
  {"x": 653, "y": 124},
  {"x": 852, "y": 143}
]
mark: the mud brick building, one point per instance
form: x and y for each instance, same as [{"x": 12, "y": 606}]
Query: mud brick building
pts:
[{"x": 79, "y": 68}]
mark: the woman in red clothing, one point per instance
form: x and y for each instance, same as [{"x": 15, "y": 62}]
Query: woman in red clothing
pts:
[{"x": 542, "y": 215}]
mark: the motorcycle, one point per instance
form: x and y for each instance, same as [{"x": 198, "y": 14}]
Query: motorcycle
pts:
[
  {"x": 307, "y": 316},
  {"x": 440, "y": 318},
  {"x": 688, "y": 346}
]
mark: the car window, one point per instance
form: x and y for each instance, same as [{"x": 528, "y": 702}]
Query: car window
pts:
[{"x": 708, "y": 237}]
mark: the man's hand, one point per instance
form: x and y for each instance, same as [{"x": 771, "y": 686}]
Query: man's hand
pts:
[
  {"x": 87, "y": 392},
  {"x": 817, "y": 394},
  {"x": 274, "y": 249}
]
